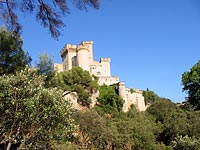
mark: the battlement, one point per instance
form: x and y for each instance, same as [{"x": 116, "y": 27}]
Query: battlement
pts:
[
  {"x": 67, "y": 47},
  {"x": 105, "y": 60},
  {"x": 134, "y": 91},
  {"x": 81, "y": 47},
  {"x": 72, "y": 46},
  {"x": 86, "y": 43},
  {"x": 121, "y": 84}
]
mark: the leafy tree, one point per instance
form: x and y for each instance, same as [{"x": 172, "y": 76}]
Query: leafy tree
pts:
[
  {"x": 48, "y": 13},
  {"x": 93, "y": 132},
  {"x": 12, "y": 56},
  {"x": 45, "y": 67},
  {"x": 45, "y": 64},
  {"x": 173, "y": 119},
  {"x": 79, "y": 81},
  {"x": 135, "y": 132},
  {"x": 150, "y": 96},
  {"x": 32, "y": 116},
  {"x": 185, "y": 143},
  {"x": 193, "y": 124},
  {"x": 109, "y": 101},
  {"x": 191, "y": 85}
]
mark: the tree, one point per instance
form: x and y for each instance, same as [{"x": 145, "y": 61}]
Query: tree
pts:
[
  {"x": 134, "y": 132},
  {"x": 79, "y": 81},
  {"x": 12, "y": 56},
  {"x": 173, "y": 119},
  {"x": 108, "y": 99},
  {"x": 191, "y": 85},
  {"x": 32, "y": 116},
  {"x": 150, "y": 96},
  {"x": 45, "y": 64},
  {"x": 48, "y": 13},
  {"x": 93, "y": 132},
  {"x": 185, "y": 143},
  {"x": 45, "y": 67},
  {"x": 193, "y": 124}
]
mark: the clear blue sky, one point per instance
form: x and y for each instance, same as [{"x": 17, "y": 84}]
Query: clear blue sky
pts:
[{"x": 150, "y": 42}]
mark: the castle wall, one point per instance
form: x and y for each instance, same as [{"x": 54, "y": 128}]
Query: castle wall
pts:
[
  {"x": 108, "y": 80},
  {"x": 131, "y": 97},
  {"x": 102, "y": 68},
  {"x": 135, "y": 97}
]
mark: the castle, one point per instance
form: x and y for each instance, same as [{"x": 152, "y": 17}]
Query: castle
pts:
[{"x": 82, "y": 56}]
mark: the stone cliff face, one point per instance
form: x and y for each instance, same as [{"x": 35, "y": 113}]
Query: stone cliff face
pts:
[
  {"x": 82, "y": 56},
  {"x": 72, "y": 97}
]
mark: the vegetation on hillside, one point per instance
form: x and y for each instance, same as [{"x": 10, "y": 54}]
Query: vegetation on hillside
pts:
[
  {"x": 79, "y": 81},
  {"x": 108, "y": 101},
  {"x": 34, "y": 114}
]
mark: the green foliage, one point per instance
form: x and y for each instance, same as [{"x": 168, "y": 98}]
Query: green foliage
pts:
[
  {"x": 12, "y": 56},
  {"x": 185, "y": 143},
  {"x": 191, "y": 85},
  {"x": 79, "y": 81},
  {"x": 93, "y": 132},
  {"x": 45, "y": 67},
  {"x": 45, "y": 64},
  {"x": 108, "y": 100},
  {"x": 32, "y": 116},
  {"x": 193, "y": 124},
  {"x": 117, "y": 132},
  {"x": 150, "y": 97},
  {"x": 134, "y": 132},
  {"x": 173, "y": 118}
]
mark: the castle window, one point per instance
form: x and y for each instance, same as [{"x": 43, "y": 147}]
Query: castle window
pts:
[
  {"x": 98, "y": 72},
  {"x": 74, "y": 59}
]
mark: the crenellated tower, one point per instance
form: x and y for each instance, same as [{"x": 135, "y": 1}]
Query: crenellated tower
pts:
[{"x": 82, "y": 57}]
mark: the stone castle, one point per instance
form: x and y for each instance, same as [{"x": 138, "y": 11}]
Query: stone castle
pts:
[{"x": 82, "y": 56}]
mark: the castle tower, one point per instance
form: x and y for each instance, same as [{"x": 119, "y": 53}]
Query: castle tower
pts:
[
  {"x": 68, "y": 54},
  {"x": 122, "y": 89},
  {"x": 89, "y": 44},
  {"x": 105, "y": 71},
  {"x": 83, "y": 57},
  {"x": 122, "y": 94}
]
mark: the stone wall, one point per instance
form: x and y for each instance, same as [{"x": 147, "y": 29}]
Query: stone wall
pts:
[{"x": 131, "y": 96}]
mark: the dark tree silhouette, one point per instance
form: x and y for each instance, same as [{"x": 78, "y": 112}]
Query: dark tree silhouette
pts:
[{"x": 48, "y": 12}]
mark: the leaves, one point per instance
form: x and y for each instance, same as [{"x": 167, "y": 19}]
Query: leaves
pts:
[
  {"x": 191, "y": 85},
  {"x": 31, "y": 115},
  {"x": 108, "y": 99},
  {"x": 12, "y": 56},
  {"x": 48, "y": 13},
  {"x": 79, "y": 81}
]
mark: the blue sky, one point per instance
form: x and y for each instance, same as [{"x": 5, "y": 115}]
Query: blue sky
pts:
[{"x": 150, "y": 42}]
